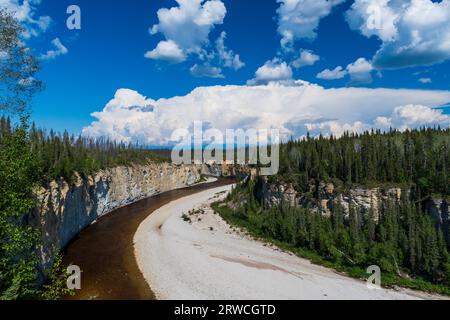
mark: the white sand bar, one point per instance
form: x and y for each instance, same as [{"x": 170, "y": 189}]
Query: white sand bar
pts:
[{"x": 207, "y": 259}]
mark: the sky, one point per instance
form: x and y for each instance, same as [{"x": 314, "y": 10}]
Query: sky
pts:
[{"x": 139, "y": 69}]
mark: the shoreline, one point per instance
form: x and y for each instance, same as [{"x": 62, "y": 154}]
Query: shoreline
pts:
[
  {"x": 105, "y": 253},
  {"x": 208, "y": 259}
]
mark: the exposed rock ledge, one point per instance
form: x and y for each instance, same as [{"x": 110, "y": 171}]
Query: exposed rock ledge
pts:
[
  {"x": 63, "y": 210},
  {"x": 324, "y": 196}
]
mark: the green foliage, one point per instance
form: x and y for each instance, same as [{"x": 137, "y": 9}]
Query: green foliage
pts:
[
  {"x": 61, "y": 156},
  {"x": 29, "y": 157},
  {"x": 404, "y": 241},
  {"x": 18, "y": 174},
  {"x": 19, "y": 171},
  {"x": 17, "y": 67},
  {"x": 419, "y": 158},
  {"x": 56, "y": 286},
  {"x": 186, "y": 218}
]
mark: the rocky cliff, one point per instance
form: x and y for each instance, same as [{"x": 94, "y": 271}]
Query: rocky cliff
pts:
[
  {"x": 228, "y": 170},
  {"x": 324, "y": 196},
  {"x": 63, "y": 210}
]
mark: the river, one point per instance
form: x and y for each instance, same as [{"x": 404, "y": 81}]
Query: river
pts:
[{"x": 105, "y": 253}]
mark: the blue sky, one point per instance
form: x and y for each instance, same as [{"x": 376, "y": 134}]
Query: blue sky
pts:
[{"x": 107, "y": 54}]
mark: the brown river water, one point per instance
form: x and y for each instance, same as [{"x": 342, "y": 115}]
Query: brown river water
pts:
[{"x": 105, "y": 252}]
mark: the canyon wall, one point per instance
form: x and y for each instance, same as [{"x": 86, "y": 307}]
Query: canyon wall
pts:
[
  {"x": 63, "y": 210},
  {"x": 324, "y": 196}
]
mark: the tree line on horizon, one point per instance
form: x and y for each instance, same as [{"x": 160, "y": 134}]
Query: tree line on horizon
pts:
[
  {"x": 419, "y": 158},
  {"x": 63, "y": 155}
]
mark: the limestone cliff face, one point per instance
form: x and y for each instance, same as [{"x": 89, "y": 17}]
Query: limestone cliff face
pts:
[
  {"x": 323, "y": 197},
  {"x": 273, "y": 194},
  {"x": 228, "y": 170},
  {"x": 63, "y": 210}
]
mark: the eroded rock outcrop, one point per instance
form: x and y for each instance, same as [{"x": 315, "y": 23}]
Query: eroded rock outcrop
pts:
[
  {"x": 324, "y": 196},
  {"x": 63, "y": 210},
  {"x": 273, "y": 194},
  {"x": 228, "y": 170}
]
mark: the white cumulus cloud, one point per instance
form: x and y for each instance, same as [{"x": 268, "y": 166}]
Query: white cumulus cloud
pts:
[
  {"x": 186, "y": 29},
  {"x": 306, "y": 58},
  {"x": 336, "y": 73},
  {"x": 167, "y": 51},
  {"x": 425, "y": 80},
  {"x": 205, "y": 70},
  {"x": 59, "y": 50},
  {"x": 227, "y": 57},
  {"x": 413, "y": 116},
  {"x": 189, "y": 23},
  {"x": 295, "y": 110},
  {"x": 360, "y": 72},
  {"x": 413, "y": 32},
  {"x": 335, "y": 128},
  {"x": 272, "y": 70},
  {"x": 299, "y": 19},
  {"x": 374, "y": 18}
]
